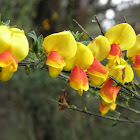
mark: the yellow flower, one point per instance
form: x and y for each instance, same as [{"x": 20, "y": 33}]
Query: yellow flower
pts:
[
  {"x": 105, "y": 107},
  {"x": 79, "y": 63},
  {"x": 13, "y": 40},
  {"x": 122, "y": 35},
  {"x": 97, "y": 73},
  {"x": 134, "y": 55},
  {"x": 122, "y": 72},
  {"x": 109, "y": 92},
  {"x": 8, "y": 64},
  {"x": 108, "y": 95},
  {"x": 59, "y": 47},
  {"x": 100, "y": 47}
]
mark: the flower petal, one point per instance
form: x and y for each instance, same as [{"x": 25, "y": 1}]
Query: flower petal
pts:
[
  {"x": 129, "y": 74},
  {"x": 96, "y": 80},
  {"x": 78, "y": 79},
  {"x": 104, "y": 108},
  {"x": 62, "y": 42},
  {"x": 19, "y": 44},
  {"x": 114, "y": 52},
  {"x": 6, "y": 73},
  {"x": 70, "y": 63},
  {"x": 97, "y": 73},
  {"x": 108, "y": 92},
  {"x": 122, "y": 34},
  {"x": 100, "y": 47},
  {"x": 55, "y": 60},
  {"x": 138, "y": 72},
  {"x": 97, "y": 68},
  {"x": 123, "y": 72},
  {"x": 53, "y": 71},
  {"x": 83, "y": 58},
  {"x": 118, "y": 72},
  {"x": 5, "y": 39},
  {"x": 136, "y": 65},
  {"x": 8, "y": 65},
  {"x": 7, "y": 59},
  {"x": 135, "y": 50}
]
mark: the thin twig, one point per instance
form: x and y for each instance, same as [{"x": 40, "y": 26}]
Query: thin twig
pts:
[
  {"x": 125, "y": 19},
  {"x": 102, "y": 31},
  {"x": 25, "y": 63},
  {"x": 97, "y": 115},
  {"x": 130, "y": 109},
  {"x": 83, "y": 29}
]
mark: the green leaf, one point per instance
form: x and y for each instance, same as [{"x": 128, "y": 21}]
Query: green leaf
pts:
[
  {"x": 34, "y": 47},
  {"x": 40, "y": 65},
  {"x": 32, "y": 55},
  {"x": 94, "y": 93},
  {"x": 31, "y": 60},
  {"x": 85, "y": 109},
  {"x": 76, "y": 35},
  {"x": 13, "y": 26},
  {"x": 39, "y": 44},
  {"x": 114, "y": 84},
  {"x": 40, "y": 41},
  {"x": 73, "y": 106},
  {"x": 7, "y": 22},
  {"x": 27, "y": 69},
  {"x": 85, "y": 42},
  {"x": 123, "y": 55},
  {"x": 32, "y": 34}
]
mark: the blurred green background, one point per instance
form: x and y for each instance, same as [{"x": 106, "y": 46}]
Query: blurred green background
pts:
[{"x": 26, "y": 109}]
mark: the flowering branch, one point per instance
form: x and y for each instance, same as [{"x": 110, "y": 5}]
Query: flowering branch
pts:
[{"x": 91, "y": 89}]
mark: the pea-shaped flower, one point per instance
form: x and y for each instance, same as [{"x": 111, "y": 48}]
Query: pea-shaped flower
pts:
[
  {"x": 79, "y": 64},
  {"x": 108, "y": 95},
  {"x": 97, "y": 73},
  {"x": 8, "y": 65},
  {"x": 134, "y": 55},
  {"x": 14, "y": 47},
  {"x": 109, "y": 92},
  {"x": 105, "y": 107},
  {"x": 119, "y": 37},
  {"x": 13, "y": 40},
  {"x": 100, "y": 47},
  {"x": 59, "y": 47}
]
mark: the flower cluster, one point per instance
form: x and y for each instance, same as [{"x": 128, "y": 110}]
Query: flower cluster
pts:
[
  {"x": 63, "y": 52},
  {"x": 14, "y": 47}
]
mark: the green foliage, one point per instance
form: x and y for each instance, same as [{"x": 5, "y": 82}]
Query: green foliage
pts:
[
  {"x": 94, "y": 93},
  {"x": 39, "y": 44},
  {"x": 36, "y": 45},
  {"x": 27, "y": 69},
  {"x": 76, "y": 35},
  {"x": 36, "y": 53},
  {"x": 7, "y": 23},
  {"x": 85, "y": 42}
]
